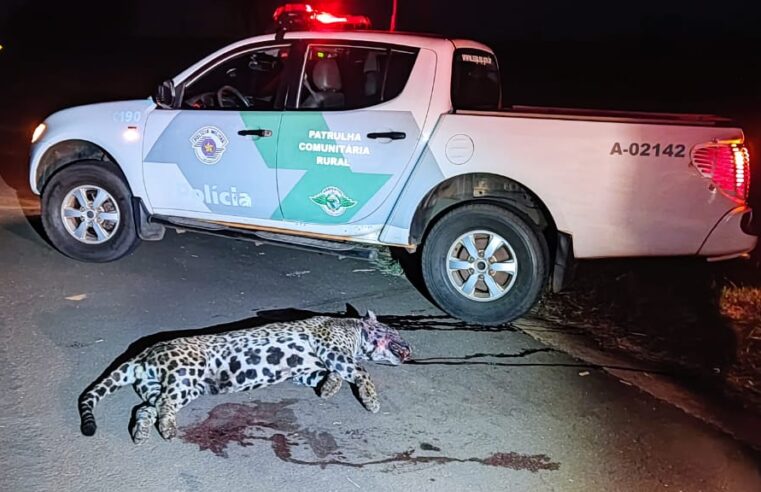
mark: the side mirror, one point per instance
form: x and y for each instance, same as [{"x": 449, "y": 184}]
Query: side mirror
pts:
[{"x": 165, "y": 95}]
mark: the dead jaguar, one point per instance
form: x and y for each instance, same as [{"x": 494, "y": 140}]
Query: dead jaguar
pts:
[{"x": 318, "y": 352}]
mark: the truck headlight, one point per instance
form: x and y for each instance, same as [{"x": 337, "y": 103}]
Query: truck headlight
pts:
[{"x": 38, "y": 132}]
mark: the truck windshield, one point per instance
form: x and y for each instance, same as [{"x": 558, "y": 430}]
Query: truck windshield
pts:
[{"x": 475, "y": 80}]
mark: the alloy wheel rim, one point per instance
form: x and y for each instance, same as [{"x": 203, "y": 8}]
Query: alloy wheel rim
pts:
[
  {"x": 90, "y": 214},
  {"x": 481, "y": 265}
]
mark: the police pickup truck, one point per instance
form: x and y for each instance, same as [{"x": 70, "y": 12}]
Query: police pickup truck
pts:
[{"x": 344, "y": 140}]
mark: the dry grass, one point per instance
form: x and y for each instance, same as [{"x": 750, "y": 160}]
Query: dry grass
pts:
[
  {"x": 692, "y": 318},
  {"x": 742, "y": 305}
]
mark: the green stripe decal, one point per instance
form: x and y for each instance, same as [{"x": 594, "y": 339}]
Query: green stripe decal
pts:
[
  {"x": 262, "y": 120},
  {"x": 329, "y": 192}
]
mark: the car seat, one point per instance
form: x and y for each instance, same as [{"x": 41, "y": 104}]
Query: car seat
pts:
[
  {"x": 372, "y": 76},
  {"x": 327, "y": 86}
]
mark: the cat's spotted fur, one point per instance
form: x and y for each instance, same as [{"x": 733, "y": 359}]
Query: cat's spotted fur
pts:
[{"x": 319, "y": 352}]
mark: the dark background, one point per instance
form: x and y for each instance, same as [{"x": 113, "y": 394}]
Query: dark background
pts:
[{"x": 668, "y": 55}]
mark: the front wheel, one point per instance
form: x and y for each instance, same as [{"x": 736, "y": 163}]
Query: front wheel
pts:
[
  {"x": 484, "y": 264},
  {"x": 87, "y": 212}
]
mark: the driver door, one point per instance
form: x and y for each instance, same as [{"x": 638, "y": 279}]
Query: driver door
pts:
[{"x": 214, "y": 158}]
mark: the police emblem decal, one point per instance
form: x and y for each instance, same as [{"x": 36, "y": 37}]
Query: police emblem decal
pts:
[
  {"x": 333, "y": 201},
  {"x": 209, "y": 143}
]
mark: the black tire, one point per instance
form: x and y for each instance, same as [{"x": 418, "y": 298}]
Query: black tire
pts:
[
  {"x": 97, "y": 173},
  {"x": 531, "y": 254}
]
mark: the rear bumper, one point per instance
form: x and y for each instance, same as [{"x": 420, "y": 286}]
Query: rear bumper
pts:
[
  {"x": 732, "y": 236},
  {"x": 750, "y": 224}
]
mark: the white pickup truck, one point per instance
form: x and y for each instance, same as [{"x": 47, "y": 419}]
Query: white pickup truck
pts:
[{"x": 345, "y": 140}]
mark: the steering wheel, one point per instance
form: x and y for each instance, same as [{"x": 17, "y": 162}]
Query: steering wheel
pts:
[
  {"x": 201, "y": 101},
  {"x": 235, "y": 92}
]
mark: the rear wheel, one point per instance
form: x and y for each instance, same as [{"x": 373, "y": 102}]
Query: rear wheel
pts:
[
  {"x": 484, "y": 264},
  {"x": 87, "y": 212}
]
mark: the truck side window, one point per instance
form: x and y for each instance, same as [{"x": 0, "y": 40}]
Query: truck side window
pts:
[
  {"x": 475, "y": 80},
  {"x": 246, "y": 82},
  {"x": 350, "y": 77},
  {"x": 399, "y": 69}
]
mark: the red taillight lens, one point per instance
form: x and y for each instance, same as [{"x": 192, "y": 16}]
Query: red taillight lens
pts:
[{"x": 727, "y": 165}]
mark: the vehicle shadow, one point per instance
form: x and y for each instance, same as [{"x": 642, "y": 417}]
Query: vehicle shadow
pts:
[
  {"x": 413, "y": 271},
  {"x": 403, "y": 323},
  {"x": 262, "y": 318},
  {"x": 410, "y": 323}
]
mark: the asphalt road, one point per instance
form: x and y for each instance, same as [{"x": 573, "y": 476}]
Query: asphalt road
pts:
[{"x": 479, "y": 410}]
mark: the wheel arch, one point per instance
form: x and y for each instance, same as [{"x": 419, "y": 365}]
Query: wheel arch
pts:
[
  {"x": 67, "y": 152},
  {"x": 89, "y": 173},
  {"x": 479, "y": 188},
  {"x": 498, "y": 190}
]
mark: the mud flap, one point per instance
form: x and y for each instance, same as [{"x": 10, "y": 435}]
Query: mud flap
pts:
[
  {"x": 565, "y": 264},
  {"x": 146, "y": 230}
]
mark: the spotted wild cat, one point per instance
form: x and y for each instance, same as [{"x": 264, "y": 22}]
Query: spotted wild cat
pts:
[{"x": 318, "y": 352}]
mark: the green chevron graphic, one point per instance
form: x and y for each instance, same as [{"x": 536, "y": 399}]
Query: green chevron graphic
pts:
[
  {"x": 299, "y": 148},
  {"x": 262, "y": 120}
]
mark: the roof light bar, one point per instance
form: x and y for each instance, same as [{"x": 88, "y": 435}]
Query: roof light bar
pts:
[{"x": 302, "y": 16}]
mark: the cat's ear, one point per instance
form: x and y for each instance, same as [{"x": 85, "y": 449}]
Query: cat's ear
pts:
[
  {"x": 351, "y": 311},
  {"x": 371, "y": 316}
]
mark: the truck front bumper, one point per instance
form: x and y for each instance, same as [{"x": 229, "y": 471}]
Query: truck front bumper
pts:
[{"x": 731, "y": 237}]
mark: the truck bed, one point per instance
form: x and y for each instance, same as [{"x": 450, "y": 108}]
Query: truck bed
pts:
[{"x": 621, "y": 184}]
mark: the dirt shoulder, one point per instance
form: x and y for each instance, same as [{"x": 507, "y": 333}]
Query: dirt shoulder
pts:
[{"x": 695, "y": 321}]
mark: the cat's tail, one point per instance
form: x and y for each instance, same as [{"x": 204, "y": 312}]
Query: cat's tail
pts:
[{"x": 122, "y": 376}]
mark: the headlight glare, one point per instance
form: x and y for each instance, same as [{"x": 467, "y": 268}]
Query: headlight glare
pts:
[{"x": 38, "y": 132}]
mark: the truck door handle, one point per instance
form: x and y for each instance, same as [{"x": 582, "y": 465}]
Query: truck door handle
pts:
[
  {"x": 256, "y": 133},
  {"x": 390, "y": 135}
]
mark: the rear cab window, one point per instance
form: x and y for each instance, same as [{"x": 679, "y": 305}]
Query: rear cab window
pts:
[{"x": 475, "y": 80}]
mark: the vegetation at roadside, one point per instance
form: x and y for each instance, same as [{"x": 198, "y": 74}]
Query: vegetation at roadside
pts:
[{"x": 692, "y": 318}]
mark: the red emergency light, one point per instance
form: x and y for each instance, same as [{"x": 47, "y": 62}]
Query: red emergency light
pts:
[{"x": 302, "y": 16}]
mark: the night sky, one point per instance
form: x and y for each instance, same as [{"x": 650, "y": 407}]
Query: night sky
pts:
[
  {"x": 670, "y": 55},
  {"x": 653, "y": 55},
  {"x": 495, "y": 19}
]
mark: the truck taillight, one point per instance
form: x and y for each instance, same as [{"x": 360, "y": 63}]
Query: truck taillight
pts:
[{"x": 727, "y": 164}]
